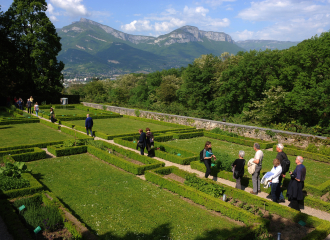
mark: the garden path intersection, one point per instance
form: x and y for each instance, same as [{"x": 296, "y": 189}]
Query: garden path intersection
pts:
[{"x": 307, "y": 210}]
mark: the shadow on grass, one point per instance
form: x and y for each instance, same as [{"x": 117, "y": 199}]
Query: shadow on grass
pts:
[
  {"x": 1, "y": 128},
  {"x": 163, "y": 231}
]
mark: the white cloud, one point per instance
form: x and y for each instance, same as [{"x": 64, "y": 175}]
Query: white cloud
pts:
[
  {"x": 72, "y": 7},
  {"x": 171, "y": 19},
  {"x": 229, "y": 8},
  {"x": 53, "y": 19},
  {"x": 50, "y": 8},
  {"x": 291, "y": 20},
  {"x": 215, "y": 3},
  {"x": 137, "y": 26}
]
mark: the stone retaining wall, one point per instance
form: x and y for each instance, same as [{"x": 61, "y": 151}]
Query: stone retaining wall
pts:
[{"x": 285, "y": 137}]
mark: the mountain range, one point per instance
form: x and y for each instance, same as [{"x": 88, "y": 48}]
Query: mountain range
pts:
[{"x": 90, "y": 48}]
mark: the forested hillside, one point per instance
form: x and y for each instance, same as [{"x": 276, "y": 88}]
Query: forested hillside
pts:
[{"x": 286, "y": 89}]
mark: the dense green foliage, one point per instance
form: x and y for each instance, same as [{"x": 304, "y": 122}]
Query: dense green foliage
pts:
[
  {"x": 35, "y": 214},
  {"x": 279, "y": 88},
  {"x": 212, "y": 189},
  {"x": 10, "y": 176},
  {"x": 29, "y": 48}
]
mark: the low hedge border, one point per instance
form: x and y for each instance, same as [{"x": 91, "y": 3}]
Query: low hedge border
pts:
[
  {"x": 322, "y": 228},
  {"x": 158, "y": 122},
  {"x": 255, "y": 224},
  {"x": 65, "y": 151},
  {"x": 305, "y": 154},
  {"x": 263, "y": 144},
  {"x": 15, "y": 151},
  {"x": 188, "y": 135},
  {"x": 16, "y": 121},
  {"x": 83, "y": 117},
  {"x": 72, "y": 228},
  {"x": 35, "y": 186},
  {"x": 50, "y": 124},
  {"x": 39, "y": 145},
  {"x": 14, "y": 225},
  {"x": 75, "y": 133},
  {"x": 124, "y": 164},
  {"x": 37, "y": 154}
]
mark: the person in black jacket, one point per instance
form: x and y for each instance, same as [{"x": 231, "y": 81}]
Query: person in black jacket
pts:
[
  {"x": 89, "y": 124},
  {"x": 238, "y": 165},
  {"x": 142, "y": 141},
  {"x": 29, "y": 105},
  {"x": 281, "y": 156}
]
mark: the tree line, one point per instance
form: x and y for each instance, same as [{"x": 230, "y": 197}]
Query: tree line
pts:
[{"x": 29, "y": 46}]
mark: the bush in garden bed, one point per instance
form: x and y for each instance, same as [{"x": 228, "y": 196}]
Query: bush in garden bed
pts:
[
  {"x": 60, "y": 150},
  {"x": 322, "y": 228},
  {"x": 257, "y": 224},
  {"x": 158, "y": 122},
  {"x": 305, "y": 154},
  {"x": 26, "y": 157},
  {"x": 237, "y": 140},
  {"x": 35, "y": 186},
  {"x": 15, "y": 151},
  {"x": 188, "y": 135},
  {"x": 124, "y": 164}
]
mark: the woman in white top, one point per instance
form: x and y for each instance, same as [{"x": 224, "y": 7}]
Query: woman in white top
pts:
[
  {"x": 275, "y": 185},
  {"x": 36, "y": 108}
]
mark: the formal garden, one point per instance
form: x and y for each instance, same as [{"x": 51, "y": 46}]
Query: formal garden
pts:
[{"x": 59, "y": 183}]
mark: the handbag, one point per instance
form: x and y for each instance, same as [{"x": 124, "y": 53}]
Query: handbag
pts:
[
  {"x": 237, "y": 173},
  {"x": 139, "y": 145}
]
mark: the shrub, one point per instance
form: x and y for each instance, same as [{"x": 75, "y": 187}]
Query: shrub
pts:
[
  {"x": 324, "y": 150},
  {"x": 137, "y": 112},
  {"x": 224, "y": 161},
  {"x": 210, "y": 188},
  {"x": 14, "y": 170},
  {"x": 311, "y": 148},
  {"x": 9, "y": 183},
  {"x": 221, "y": 132}
]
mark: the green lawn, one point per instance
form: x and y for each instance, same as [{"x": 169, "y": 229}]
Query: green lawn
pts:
[
  {"x": 317, "y": 172},
  {"x": 119, "y": 205},
  {"x": 29, "y": 133},
  {"x": 114, "y": 126}
]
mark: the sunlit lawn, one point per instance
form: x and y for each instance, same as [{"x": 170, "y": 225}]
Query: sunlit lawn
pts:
[
  {"x": 29, "y": 133},
  {"x": 112, "y": 126},
  {"x": 317, "y": 172},
  {"x": 115, "y": 204}
]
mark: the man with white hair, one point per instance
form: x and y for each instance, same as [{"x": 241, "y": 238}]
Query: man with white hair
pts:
[
  {"x": 282, "y": 157},
  {"x": 296, "y": 184}
]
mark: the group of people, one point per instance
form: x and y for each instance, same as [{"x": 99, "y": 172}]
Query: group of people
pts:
[
  {"x": 146, "y": 140},
  {"x": 273, "y": 178},
  {"x": 19, "y": 103}
]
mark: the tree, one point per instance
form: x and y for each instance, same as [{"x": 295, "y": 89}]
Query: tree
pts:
[{"x": 36, "y": 68}]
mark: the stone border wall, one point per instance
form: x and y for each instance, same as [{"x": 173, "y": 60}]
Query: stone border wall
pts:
[{"x": 285, "y": 137}]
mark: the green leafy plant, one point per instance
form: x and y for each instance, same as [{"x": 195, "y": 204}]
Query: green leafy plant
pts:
[
  {"x": 224, "y": 161},
  {"x": 221, "y": 132},
  {"x": 311, "y": 148},
  {"x": 14, "y": 170},
  {"x": 9, "y": 183},
  {"x": 212, "y": 189},
  {"x": 137, "y": 112},
  {"x": 270, "y": 133}
]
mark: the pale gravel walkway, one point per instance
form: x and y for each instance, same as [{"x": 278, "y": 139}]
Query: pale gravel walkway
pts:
[{"x": 308, "y": 210}]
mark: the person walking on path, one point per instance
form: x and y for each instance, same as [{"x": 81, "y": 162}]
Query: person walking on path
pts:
[
  {"x": 256, "y": 175},
  {"x": 142, "y": 141},
  {"x": 150, "y": 143},
  {"x": 238, "y": 166},
  {"x": 52, "y": 116},
  {"x": 29, "y": 104},
  {"x": 275, "y": 185},
  {"x": 89, "y": 125},
  {"x": 36, "y": 108},
  {"x": 31, "y": 100},
  {"x": 281, "y": 156},
  {"x": 296, "y": 184},
  {"x": 207, "y": 156},
  {"x": 20, "y": 103}
]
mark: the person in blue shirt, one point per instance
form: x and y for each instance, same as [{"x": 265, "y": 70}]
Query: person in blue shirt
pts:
[
  {"x": 89, "y": 124},
  {"x": 296, "y": 185}
]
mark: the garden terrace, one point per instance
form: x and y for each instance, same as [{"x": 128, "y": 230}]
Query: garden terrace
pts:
[
  {"x": 27, "y": 134},
  {"x": 247, "y": 202},
  {"x": 113, "y": 203}
]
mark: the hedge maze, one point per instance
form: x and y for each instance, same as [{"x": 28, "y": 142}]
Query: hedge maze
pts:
[{"x": 109, "y": 156}]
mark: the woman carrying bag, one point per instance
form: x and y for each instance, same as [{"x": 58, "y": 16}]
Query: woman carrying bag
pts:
[
  {"x": 207, "y": 156},
  {"x": 238, "y": 169}
]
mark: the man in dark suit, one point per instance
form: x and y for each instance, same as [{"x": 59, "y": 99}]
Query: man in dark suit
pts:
[
  {"x": 89, "y": 124},
  {"x": 142, "y": 141}
]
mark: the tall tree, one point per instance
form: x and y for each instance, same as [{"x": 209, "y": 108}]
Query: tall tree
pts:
[{"x": 36, "y": 68}]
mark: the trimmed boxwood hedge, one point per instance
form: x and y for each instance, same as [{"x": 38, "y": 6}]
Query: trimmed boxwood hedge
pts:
[
  {"x": 15, "y": 151},
  {"x": 50, "y": 124},
  {"x": 65, "y": 151},
  {"x": 257, "y": 224},
  {"x": 74, "y": 133},
  {"x": 188, "y": 135},
  {"x": 263, "y": 144},
  {"x": 26, "y": 157},
  {"x": 158, "y": 122},
  {"x": 35, "y": 186},
  {"x": 322, "y": 228},
  {"x": 124, "y": 164}
]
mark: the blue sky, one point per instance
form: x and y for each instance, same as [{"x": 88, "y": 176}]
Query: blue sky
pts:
[{"x": 286, "y": 20}]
